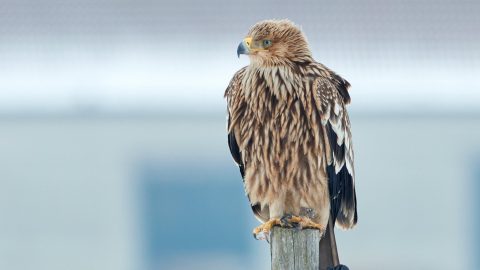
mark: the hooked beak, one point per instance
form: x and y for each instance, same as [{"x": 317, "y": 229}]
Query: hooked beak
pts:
[{"x": 244, "y": 46}]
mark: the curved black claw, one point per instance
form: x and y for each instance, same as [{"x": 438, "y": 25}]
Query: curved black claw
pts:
[
  {"x": 261, "y": 236},
  {"x": 338, "y": 267},
  {"x": 287, "y": 223}
]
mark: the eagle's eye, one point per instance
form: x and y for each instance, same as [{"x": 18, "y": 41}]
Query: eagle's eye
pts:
[{"x": 267, "y": 43}]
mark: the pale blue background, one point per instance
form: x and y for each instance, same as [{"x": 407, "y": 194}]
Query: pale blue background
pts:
[{"x": 113, "y": 143}]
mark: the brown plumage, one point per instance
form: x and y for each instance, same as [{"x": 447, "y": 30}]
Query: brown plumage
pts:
[{"x": 289, "y": 130}]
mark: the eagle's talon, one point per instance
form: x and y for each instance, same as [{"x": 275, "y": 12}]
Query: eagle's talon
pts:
[
  {"x": 260, "y": 236},
  {"x": 267, "y": 237},
  {"x": 262, "y": 232},
  {"x": 285, "y": 221},
  {"x": 301, "y": 222},
  {"x": 298, "y": 223}
]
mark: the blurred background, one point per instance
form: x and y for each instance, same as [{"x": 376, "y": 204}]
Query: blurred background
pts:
[{"x": 113, "y": 142}]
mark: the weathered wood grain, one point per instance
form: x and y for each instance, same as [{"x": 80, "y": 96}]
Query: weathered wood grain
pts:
[{"x": 293, "y": 249}]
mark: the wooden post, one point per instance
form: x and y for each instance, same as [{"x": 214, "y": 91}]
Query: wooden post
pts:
[{"x": 293, "y": 249}]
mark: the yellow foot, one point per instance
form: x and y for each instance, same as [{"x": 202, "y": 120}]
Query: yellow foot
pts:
[
  {"x": 302, "y": 222},
  {"x": 262, "y": 232}
]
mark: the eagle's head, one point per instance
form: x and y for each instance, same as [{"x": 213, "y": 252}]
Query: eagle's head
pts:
[{"x": 275, "y": 42}]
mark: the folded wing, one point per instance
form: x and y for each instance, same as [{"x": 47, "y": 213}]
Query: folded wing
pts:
[{"x": 331, "y": 97}]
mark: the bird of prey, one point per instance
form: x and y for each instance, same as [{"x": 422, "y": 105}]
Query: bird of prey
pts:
[{"x": 289, "y": 132}]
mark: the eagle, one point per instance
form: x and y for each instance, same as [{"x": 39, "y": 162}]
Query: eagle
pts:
[{"x": 289, "y": 132}]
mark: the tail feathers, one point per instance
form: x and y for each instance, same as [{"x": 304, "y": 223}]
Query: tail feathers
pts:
[{"x": 347, "y": 217}]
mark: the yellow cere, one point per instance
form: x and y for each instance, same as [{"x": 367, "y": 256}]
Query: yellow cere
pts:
[{"x": 254, "y": 46}]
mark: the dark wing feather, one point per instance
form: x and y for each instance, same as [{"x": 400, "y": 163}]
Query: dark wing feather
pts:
[
  {"x": 331, "y": 97},
  {"x": 232, "y": 90},
  {"x": 235, "y": 150},
  {"x": 237, "y": 156}
]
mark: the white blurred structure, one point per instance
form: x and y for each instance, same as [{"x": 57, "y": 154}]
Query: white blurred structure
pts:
[{"x": 172, "y": 55}]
